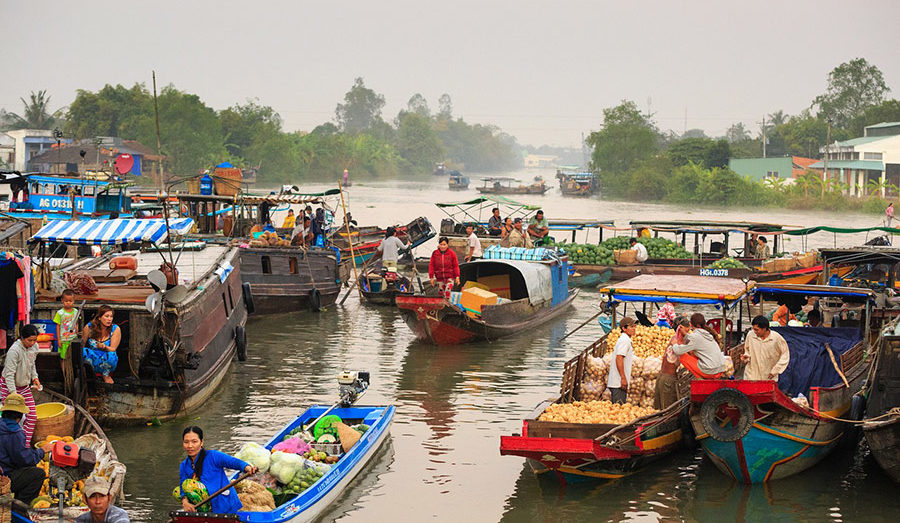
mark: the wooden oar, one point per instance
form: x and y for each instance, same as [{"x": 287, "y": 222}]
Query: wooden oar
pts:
[
  {"x": 580, "y": 326},
  {"x": 836, "y": 367},
  {"x": 237, "y": 480}
]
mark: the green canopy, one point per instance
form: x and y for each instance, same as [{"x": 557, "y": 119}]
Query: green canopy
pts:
[
  {"x": 500, "y": 200},
  {"x": 848, "y": 230}
]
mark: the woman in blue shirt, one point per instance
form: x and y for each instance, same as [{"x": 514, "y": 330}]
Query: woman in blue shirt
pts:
[{"x": 208, "y": 467}]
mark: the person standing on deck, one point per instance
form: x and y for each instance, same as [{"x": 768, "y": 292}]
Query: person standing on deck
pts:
[
  {"x": 637, "y": 246},
  {"x": 666, "y": 392},
  {"x": 495, "y": 224},
  {"x": 889, "y": 213},
  {"x": 473, "y": 244},
  {"x": 623, "y": 355},
  {"x": 766, "y": 354},
  {"x": 389, "y": 249},
  {"x": 20, "y": 375},
  {"x": 443, "y": 269}
]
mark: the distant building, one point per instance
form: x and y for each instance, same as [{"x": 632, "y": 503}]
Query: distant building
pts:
[
  {"x": 872, "y": 160},
  {"x": 29, "y": 143},
  {"x": 7, "y": 151},
  {"x": 99, "y": 155},
  {"x": 785, "y": 168},
  {"x": 541, "y": 161}
]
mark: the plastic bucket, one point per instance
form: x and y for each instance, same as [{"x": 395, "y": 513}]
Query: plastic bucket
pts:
[{"x": 50, "y": 410}]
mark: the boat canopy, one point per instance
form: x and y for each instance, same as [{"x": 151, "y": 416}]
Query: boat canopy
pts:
[
  {"x": 861, "y": 255},
  {"x": 530, "y": 280},
  {"x": 774, "y": 290},
  {"x": 708, "y": 227},
  {"x": 840, "y": 230},
  {"x": 479, "y": 209},
  {"x": 491, "y": 199},
  {"x": 697, "y": 290},
  {"x": 110, "y": 232}
]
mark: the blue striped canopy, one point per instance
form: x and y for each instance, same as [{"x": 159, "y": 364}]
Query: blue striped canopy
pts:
[{"x": 110, "y": 232}]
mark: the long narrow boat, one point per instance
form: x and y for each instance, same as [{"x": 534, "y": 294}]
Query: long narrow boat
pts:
[
  {"x": 88, "y": 434},
  {"x": 530, "y": 292},
  {"x": 575, "y": 452},
  {"x": 171, "y": 358},
  {"x": 590, "y": 280},
  {"x": 382, "y": 288},
  {"x": 51, "y": 196},
  {"x": 316, "y": 499},
  {"x": 758, "y": 431},
  {"x": 504, "y": 185},
  {"x": 881, "y": 425}
]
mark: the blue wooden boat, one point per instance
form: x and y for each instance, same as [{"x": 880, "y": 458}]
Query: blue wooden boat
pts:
[
  {"x": 590, "y": 279},
  {"x": 50, "y": 196},
  {"x": 310, "y": 504}
]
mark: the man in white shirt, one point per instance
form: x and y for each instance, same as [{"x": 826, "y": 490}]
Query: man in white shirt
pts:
[
  {"x": 641, "y": 250},
  {"x": 623, "y": 355},
  {"x": 766, "y": 353},
  {"x": 389, "y": 248},
  {"x": 474, "y": 244}
]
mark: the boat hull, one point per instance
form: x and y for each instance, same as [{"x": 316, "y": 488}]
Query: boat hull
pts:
[
  {"x": 434, "y": 320},
  {"x": 283, "y": 279},
  {"x": 883, "y": 438}
]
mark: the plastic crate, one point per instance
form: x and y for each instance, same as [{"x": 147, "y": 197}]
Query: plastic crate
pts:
[{"x": 332, "y": 449}]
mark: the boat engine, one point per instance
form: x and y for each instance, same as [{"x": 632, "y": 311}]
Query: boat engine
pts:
[
  {"x": 352, "y": 385},
  {"x": 68, "y": 463}
]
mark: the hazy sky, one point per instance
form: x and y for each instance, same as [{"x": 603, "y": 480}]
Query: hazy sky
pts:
[{"x": 542, "y": 70}]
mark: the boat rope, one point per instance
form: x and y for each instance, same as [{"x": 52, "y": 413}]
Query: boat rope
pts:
[{"x": 895, "y": 411}]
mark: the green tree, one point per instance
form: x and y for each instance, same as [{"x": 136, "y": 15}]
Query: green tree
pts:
[
  {"x": 737, "y": 133},
  {"x": 886, "y": 111},
  {"x": 419, "y": 105},
  {"x": 108, "y": 111},
  {"x": 248, "y": 124},
  {"x": 803, "y": 135},
  {"x": 717, "y": 154},
  {"x": 445, "y": 107},
  {"x": 627, "y": 137},
  {"x": 417, "y": 142},
  {"x": 35, "y": 114},
  {"x": 361, "y": 109},
  {"x": 853, "y": 87},
  {"x": 689, "y": 150}
]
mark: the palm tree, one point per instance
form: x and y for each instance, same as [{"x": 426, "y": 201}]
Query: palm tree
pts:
[{"x": 36, "y": 114}]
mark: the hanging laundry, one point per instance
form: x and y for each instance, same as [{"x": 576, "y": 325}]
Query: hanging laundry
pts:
[{"x": 10, "y": 275}]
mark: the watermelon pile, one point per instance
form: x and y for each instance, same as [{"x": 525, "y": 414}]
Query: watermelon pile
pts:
[{"x": 590, "y": 254}]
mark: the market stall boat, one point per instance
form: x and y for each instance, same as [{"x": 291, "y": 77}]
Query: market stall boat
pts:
[
  {"x": 873, "y": 267},
  {"x": 176, "y": 345},
  {"x": 526, "y": 294},
  {"x": 504, "y": 185},
  {"x": 881, "y": 425},
  {"x": 574, "y": 452},
  {"x": 283, "y": 278},
  {"x": 314, "y": 501},
  {"x": 758, "y": 431},
  {"x": 86, "y": 433},
  {"x": 577, "y": 183}
]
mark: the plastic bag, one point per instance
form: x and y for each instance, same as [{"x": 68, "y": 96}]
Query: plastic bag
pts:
[
  {"x": 592, "y": 390},
  {"x": 294, "y": 445},
  {"x": 256, "y": 455},
  {"x": 285, "y": 465}
]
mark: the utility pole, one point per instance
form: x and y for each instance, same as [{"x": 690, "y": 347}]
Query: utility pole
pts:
[
  {"x": 158, "y": 141},
  {"x": 764, "y": 135},
  {"x": 827, "y": 145}
]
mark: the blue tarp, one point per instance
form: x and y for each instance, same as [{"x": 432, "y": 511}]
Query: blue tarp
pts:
[
  {"x": 225, "y": 165},
  {"x": 810, "y": 364},
  {"x": 110, "y": 232}
]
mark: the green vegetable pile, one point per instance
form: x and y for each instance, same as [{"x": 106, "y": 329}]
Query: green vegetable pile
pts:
[
  {"x": 727, "y": 263},
  {"x": 590, "y": 254}
]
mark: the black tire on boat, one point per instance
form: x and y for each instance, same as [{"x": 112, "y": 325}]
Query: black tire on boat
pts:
[
  {"x": 315, "y": 300},
  {"x": 734, "y": 399},
  {"x": 857, "y": 413},
  {"x": 248, "y": 297},
  {"x": 240, "y": 342}
]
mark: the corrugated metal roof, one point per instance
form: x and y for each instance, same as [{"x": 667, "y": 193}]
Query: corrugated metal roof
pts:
[
  {"x": 861, "y": 140},
  {"x": 871, "y": 165},
  {"x": 883, "y": 124}
]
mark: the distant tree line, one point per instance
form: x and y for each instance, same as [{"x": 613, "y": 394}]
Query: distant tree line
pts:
[
  {"x": 195, "y": 136},
  {"x": 638, "y": 162}
]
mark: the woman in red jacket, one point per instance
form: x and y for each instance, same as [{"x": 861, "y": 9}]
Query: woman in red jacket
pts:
[{"x": 444, "y": 267}]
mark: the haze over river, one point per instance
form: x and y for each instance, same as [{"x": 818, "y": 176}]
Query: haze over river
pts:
[{"x": 442, "y": 460}]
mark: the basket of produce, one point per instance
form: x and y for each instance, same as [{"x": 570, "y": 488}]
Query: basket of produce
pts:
[
  {"x": 785, "y": 264},
  {"x": 53, "y": 419},
  {"x": 807, "y": 260},
  {"x": 625, "y": 256}
]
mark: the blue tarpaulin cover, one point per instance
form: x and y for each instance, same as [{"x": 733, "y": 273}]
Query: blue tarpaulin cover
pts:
[
  {"x": 225, "y": 165},
  {"x": 810, "y": 364}
]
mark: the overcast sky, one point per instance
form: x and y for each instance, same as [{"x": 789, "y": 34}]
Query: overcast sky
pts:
[{"x": 542, "y": 70}]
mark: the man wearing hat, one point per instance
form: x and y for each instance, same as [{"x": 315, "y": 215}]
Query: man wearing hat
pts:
[
  {"x": 518, "y": 237},
  {"x": 16, "y": 459},
  {"x": 623, "y": 354},
  {"x": 96, "y": 496}
]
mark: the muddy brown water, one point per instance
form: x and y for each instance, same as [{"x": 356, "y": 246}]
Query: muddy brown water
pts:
[{"x": 442, "y": 460}]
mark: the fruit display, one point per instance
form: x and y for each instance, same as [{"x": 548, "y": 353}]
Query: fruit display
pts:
[
  {"x": 269, "y": 239},
  {"x": 647, "y": 341},
  {"x": 195, "y": 492},
  {"x": 320, "y": 457},
  {"x": 727, "y": 263},
  {"x": 603, "y": 254},
  {"x": 594, "y": 412},
  {"x": 73, "y": 496}
]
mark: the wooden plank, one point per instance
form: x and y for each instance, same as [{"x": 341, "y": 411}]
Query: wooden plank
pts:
[
  {"x": 111, "y": 276},
  {"x": 556, "y": 429}
]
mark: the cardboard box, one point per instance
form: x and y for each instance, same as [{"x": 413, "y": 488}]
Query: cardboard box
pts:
[
  {"x": 625, "y": 256},
  {"x": 498, "y": 284},
  {"x": 473, "y": 298},
  {"x": 769, "y": 266},
  {"x": 470, "y": 284},
  {"x": 785, "y": 264},
  {"x": 808, "y": 260}
]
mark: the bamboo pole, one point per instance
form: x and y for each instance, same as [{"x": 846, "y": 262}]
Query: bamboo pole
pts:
[{"x": 349, "y": 240}]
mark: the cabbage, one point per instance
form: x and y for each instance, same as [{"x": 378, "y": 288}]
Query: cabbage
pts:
[
  {"x": 256, "y": 455},
  {"x": 284, "y": 466}
]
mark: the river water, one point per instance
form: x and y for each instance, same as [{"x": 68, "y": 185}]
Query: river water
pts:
[{"x": 442, "y": 461}]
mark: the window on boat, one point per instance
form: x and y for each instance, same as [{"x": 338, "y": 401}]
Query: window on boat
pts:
[
  {"x": 266, "y": 265},
  {"x": 292, "y": 261},
  {"x": 230, "y": 299},
  {"x": 225, "y": 305},
  {"x": 89, "y": 190}
]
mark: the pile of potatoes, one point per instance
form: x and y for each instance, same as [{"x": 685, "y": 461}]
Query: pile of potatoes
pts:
[
  {"x": 644, "y": 373},
  {"x": 594, "y": 412},
  {"x": 647, "y": 341},
  {"x": 269, "y": 239}
]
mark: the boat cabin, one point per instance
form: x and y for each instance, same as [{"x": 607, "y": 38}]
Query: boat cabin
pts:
[
  {"x": 538, "y": 282},
  {"x": 700, "y": 230},
  {"x": 50, "y": 195},
  {"x": 578, "y": 183}
]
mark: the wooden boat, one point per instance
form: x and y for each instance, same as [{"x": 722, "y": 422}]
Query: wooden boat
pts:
[
  {"x": 88, "y": 434},
  {"x": 171, "y": 359},
  {"x": 312, "y": 503},
  {"x": 367, "y": 239},
  {"x": 577, "y": 183},
  {"x": 383, "y": 287},
  {"x": 577, "y": 452},
  {"x": 591, "y": 279},
  {"x": 49, "y": 196},
  {"x": 503, "y": 185},
  {"x": 881, "y": 425},
  {"x": 755, "y": 431},
  {"x": 457, "y": 182},
  {"x": 531, "y": 292}
]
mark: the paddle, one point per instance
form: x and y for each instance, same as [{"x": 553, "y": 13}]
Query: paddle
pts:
[
  {"x": 582, "y": 325},
  {"x": 237, "y": 480}
]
